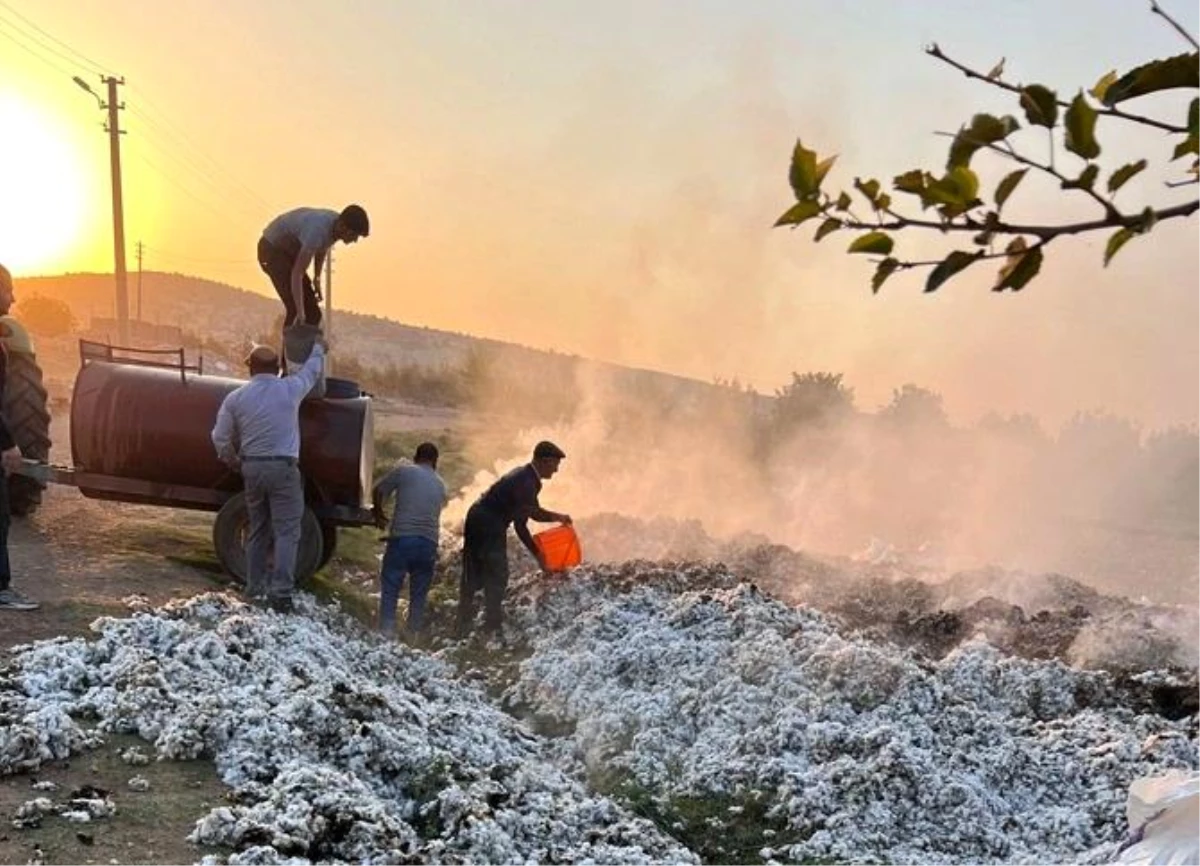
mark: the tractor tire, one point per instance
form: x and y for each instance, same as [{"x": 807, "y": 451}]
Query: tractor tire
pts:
[
  {"x": 229, "y": 540},
  {"x": 28, "y": 416}
]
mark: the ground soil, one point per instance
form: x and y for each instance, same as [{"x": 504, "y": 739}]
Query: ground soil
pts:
[{"x": 81, "y": 559}]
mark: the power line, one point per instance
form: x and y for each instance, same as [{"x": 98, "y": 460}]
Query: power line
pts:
[
  {"x": 155, "y": 137},
  {"x": 200, "y": 259},
  {"x": 71, "y": 55},
  {"x": 182, "y": 137},
  {"x": 96, "y": 67},
  {"x": 20, "y": 44}
]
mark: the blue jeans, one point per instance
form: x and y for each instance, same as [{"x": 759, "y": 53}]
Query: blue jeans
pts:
[{"x": 414, "y": 556}]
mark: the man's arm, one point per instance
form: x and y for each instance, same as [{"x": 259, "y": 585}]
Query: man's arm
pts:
[
  {"x": 224, "y": 434},
  {"x": 318, "y": 267},
  {"x": 303, "y": 258},
  {"x": 302, "y": 381},
  {"x": 521, "y": 527},
  {"x": 10, "y": 454},
  {"x": 383, "y": 488},
  {"x": 541, "y": 515}
]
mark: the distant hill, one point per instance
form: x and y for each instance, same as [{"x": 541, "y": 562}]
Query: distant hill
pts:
[{"x": 229, "y": 315}]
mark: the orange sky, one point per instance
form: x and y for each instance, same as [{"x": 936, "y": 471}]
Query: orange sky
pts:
[{"x": 601, "y": 178}]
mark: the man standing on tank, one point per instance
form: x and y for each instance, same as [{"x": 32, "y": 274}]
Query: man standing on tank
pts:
[
  {"x": 258, "y": 433},
  {"x": 294, "y": 240},
  {"x": 10, "y": 461},
  {"x": 513, "y": 499}
]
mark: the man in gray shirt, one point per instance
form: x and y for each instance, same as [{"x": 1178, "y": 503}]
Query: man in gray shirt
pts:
[
  {"x": 412, "y": 538},
  {"x": 258, "y": 433},
  {"x": 292, "y": 241}
]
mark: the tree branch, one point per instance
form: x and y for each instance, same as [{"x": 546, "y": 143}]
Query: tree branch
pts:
[
  {"x": 1042, "y": 232},
  {"x": 981, "y": 256},
  {"x": 1109, "y": 208},
  {"x": 936, "y": 52},
  {"x": 1158, "y": 10}
]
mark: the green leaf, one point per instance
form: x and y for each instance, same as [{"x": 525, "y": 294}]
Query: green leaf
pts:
[
  {"x": 1100, "y": 88},
  {"x": 798, "y": 213},
  {"x": 843, "y": 202},
  {"x": 1169, "y": 73},
  {"x": 870, "y": 189},
  {"x": 872, "y": 242},
  {"x": 803, "y": 173},
  {"x": 1040, "y": 104},
  {"x": 1021, "y": 266},
  {"x": 1115, "y": 243},
  {"x": 1006, "y": 186},
  {"x": 1081, "y": 128},
  {"x": 1193, "y": 121},
  {"x": 948, "y": 267},
  {"x": 830, "y": 225},
  {"x": 985, "y": 129},
  {"x": 1124, "y": 173},
  {"x": 959, "y": 189},
  {"x": 1191, "y": 144},
  {"x": 884, "y": 270},
  {"x": 911, "y": 181},
  {"x": 1086, "y": 179},
  {"x": 823, "y": 168}
]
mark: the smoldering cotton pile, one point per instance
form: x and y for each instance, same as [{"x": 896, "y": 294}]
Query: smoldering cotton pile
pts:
[
  {"x": 690, "y": 684},
  {"x": 339, "y": 748}
]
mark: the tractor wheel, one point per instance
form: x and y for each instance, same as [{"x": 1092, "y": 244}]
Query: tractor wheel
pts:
[
  {"x": 25, "y": 410},
  {"x": 233, "y": 525}
]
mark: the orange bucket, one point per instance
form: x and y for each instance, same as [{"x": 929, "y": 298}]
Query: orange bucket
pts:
[{"x": 559, "y": 547}]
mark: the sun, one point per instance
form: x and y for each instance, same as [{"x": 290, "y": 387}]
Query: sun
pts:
[{"x": 43, "y": 191}]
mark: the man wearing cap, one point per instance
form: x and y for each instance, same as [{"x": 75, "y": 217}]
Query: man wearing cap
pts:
[
  {"x": 292, "y": 241},
  {"x": 512, "y": 499},
  {"x": 258, "y": 433}
]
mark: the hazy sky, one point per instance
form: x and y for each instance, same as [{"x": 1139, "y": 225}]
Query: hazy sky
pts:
[{"x": 601, "y": 177}]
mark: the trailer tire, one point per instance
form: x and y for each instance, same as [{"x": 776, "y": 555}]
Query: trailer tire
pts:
[
  {"x": 229, "y": 541},
  {"x": 25, "y": 410},
  {"x": 329, "y": 539}
]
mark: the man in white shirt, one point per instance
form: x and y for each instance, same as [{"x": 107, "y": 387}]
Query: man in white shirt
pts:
[
  {"x": 300, "y": 237},
  {"x": 412, "y": 539},
  {"x": 258, "y": 432}
]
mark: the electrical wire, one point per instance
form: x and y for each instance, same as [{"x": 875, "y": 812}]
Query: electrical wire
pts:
[
  {"x": 20, "y": 44},
  {"x": 157, "y": 118},
  {"x": 77, "y": 56}
]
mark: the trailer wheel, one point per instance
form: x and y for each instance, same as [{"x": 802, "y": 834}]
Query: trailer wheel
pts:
[
  {"x": 229, "y": 540},
  {"x": 28, "y": 420},
  {"x": 329, "y": 540}
]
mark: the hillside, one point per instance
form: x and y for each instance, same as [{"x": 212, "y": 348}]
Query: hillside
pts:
[{"x": 207, "y": 310}]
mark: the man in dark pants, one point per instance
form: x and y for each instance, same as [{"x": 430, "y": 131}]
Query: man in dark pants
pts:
[
  {"x": 512, "y": 499},
  {"x": 10, "y": 460},
  {"x": 294, "y": 240}
]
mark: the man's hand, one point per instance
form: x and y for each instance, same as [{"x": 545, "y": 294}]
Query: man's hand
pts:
[
  {"x": 316, "y": 284},
  {"x": 11, "y": 460},
  {"x": 381, "y": 521}
]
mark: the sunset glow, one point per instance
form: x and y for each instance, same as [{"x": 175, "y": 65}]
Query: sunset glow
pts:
[{"x": 45, "y": 196}]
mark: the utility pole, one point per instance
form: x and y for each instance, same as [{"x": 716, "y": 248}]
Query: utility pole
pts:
[
  {"x": 140, "y": 249},
  {"x": 113, "y": 128},
  {"x": 114, "y": 147}
]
